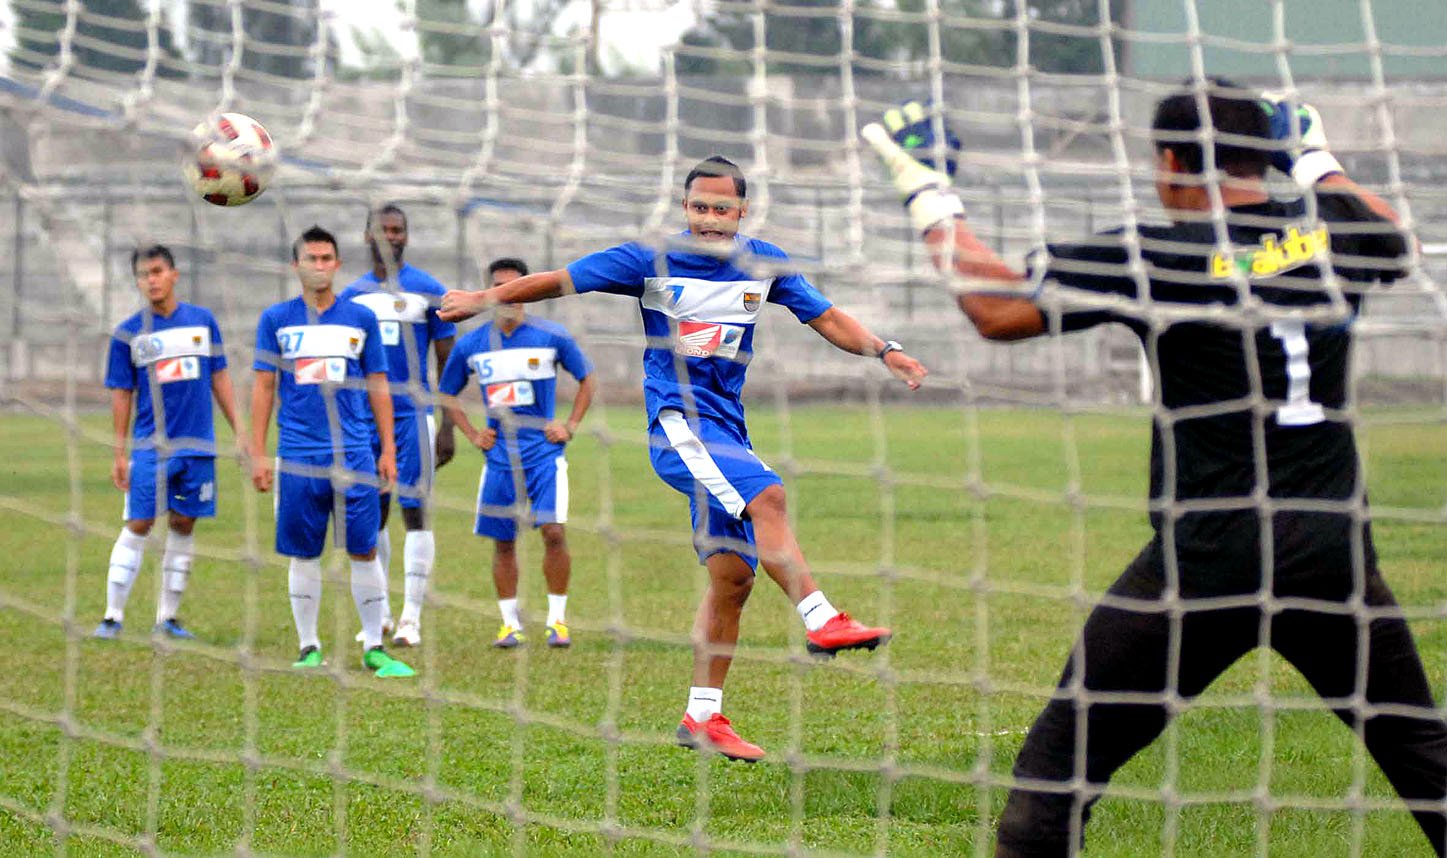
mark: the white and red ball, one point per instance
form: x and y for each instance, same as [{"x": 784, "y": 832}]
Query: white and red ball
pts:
[{"x": 234, "y": 159}]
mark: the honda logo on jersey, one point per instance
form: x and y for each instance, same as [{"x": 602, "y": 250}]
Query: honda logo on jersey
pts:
[
  {"x": 708, "y": 339},
  {"x": 751, "y": 301}
]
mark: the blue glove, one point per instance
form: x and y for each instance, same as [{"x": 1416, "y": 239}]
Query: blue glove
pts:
[
  {"x": 913, "y": 129},
  {"x": 1303, "y": 154}
]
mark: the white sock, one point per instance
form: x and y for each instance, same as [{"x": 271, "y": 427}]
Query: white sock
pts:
[
  {"x": 703, "y": 703},
  {"x": 384, "y": 560},
  {"x": 175, "y": 573},
  {"x": 557, "y": 608},
  {"x": 418, "y": 552},
  {"x": 815, "y": 610},
  {"x": 304, "y": 583},
  {"x": 125, "y": 563},
  {"x": 509, "y": 610},
  {"x": 369, "y": 591}
]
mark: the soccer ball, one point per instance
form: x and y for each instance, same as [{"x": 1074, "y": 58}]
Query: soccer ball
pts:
[{"x": 233, "y": 159}]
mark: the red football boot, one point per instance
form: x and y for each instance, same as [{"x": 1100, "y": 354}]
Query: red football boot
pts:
[
  {"x": 844, "y": 632},
  {"x": 717, "y": 735}
]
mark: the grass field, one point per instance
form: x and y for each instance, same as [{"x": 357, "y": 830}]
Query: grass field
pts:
[{"x": 951, "y": 526}]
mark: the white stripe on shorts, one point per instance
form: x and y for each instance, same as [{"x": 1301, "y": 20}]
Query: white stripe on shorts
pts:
[
  {"x": 696, "y": 458},
  {"x": 560, "y": 491}
]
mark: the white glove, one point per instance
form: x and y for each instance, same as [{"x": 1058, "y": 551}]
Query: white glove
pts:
[{"x": 926, "y": 191}]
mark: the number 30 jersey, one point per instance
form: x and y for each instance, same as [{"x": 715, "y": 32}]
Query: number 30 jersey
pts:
[
  {"x": 699, "y": 313},
  {"x": 1213, "y": 371},
  {"x": 516, "y": 373},
  {"x": 320, "y": 359},
  {"x": 174, "y": 355}
]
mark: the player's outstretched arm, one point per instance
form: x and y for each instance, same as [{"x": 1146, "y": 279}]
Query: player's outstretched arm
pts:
[
  {"x": 379, "y": 394},
  {"x": 263, "y": 395},
  {"x": 458, "y": 304},
  {"x": 225, "y": 396},
  {"x": 121, "y": 399},
  {"x": 847, "y": 334},
  {"x": 938, "y": 214}
]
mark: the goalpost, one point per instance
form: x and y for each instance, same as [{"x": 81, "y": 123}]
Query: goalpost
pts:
[{"x": 980, "y": 519}]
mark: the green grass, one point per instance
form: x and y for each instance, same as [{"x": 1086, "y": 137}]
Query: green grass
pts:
[{"x": 950, "y": 525}]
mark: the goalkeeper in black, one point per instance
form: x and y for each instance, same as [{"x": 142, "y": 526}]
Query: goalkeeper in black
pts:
[{"x": 1262, "y": 531}]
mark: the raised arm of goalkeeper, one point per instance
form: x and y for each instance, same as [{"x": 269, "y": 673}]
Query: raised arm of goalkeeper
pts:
[{"x": 903, "y": 141}]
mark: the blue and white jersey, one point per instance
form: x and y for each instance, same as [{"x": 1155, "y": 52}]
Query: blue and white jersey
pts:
[
  {"x": 180, "y": 352},
  {"x": 416, "y": 304},
  {"x": 516, "y": 372},
  {"x": 698, "y": 310},
  {"x": 320, "y": 357}
]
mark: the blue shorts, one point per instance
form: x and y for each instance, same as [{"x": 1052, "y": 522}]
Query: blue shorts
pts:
[
  {"x": 715, "y": 466},
  {"x": 415, "y": 438},
  {"x": 546, "y": 482},
  {"x": 305, "y": 500},
  {"x": 190, "y": 488}
]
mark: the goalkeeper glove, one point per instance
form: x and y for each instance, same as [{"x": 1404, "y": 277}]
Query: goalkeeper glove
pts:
[
  {"x": 1303, "y": 155},
  {"x": 904, "y": 143}
]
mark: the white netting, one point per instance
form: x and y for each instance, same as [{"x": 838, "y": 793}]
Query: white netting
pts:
[{"x": 981, "y": 519}]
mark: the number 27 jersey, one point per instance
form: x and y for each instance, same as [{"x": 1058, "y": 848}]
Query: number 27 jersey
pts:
[{"x": 320, "y": 357}]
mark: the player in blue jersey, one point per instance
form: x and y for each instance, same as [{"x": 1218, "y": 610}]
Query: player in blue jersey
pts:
[
  {"x": 167, "y": 360},
  {"x": 405, "y": 300},
  {"x": 699, "y": 301},
  {"x": 325, "y": 362},
  {"x": 515, "y": 361}
]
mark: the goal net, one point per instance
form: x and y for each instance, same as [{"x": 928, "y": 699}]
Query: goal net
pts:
[{"x": 980, "y": 518}]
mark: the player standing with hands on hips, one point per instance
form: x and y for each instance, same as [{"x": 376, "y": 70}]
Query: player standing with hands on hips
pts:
[
  {"x": 700, "y": 299},
  {"x": 516, "y": 361},
  {"x": 1196, "y": 598}
]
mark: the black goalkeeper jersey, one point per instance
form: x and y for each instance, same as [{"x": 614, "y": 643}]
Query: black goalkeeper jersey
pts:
[{"x": 1269, "y": 372}]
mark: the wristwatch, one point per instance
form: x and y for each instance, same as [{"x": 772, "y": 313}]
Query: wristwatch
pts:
[{"x": 889, "y": 346}]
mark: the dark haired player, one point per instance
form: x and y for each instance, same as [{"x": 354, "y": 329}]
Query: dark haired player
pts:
[
  {"x": 1246, "y": 552},
  {"x": 700, "y": 300},
  {"x": 404, "y": 299},
  {"x": 323, "y": 360},
  {"x": 515, "y": 360},
  {"x": 168, "y": 360}
]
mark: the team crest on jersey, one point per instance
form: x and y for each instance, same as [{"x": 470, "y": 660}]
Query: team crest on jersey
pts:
[
  {"x": 751, "y": 301},
  {"x": 399, "y": 305},
  {"x": 534, "y": 363},
  {"x": 355, "y": 344},
  {"x": 1300, "y": 245},
  {"x": 196, "y": 340}
]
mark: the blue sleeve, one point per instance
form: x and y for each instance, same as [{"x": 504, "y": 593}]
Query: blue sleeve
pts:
[
  {"x": 792, "y": 290},
  {"x": 572, "y": 357},
  {"x": 267, "y": 357},
  {"x": 620, "y": 270},
  {"x": 374, "y": 354},
  {"x": 454, "y": 373},
  {"x": 218, "y": 347},
  {"x": 120, "y": 372}
]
